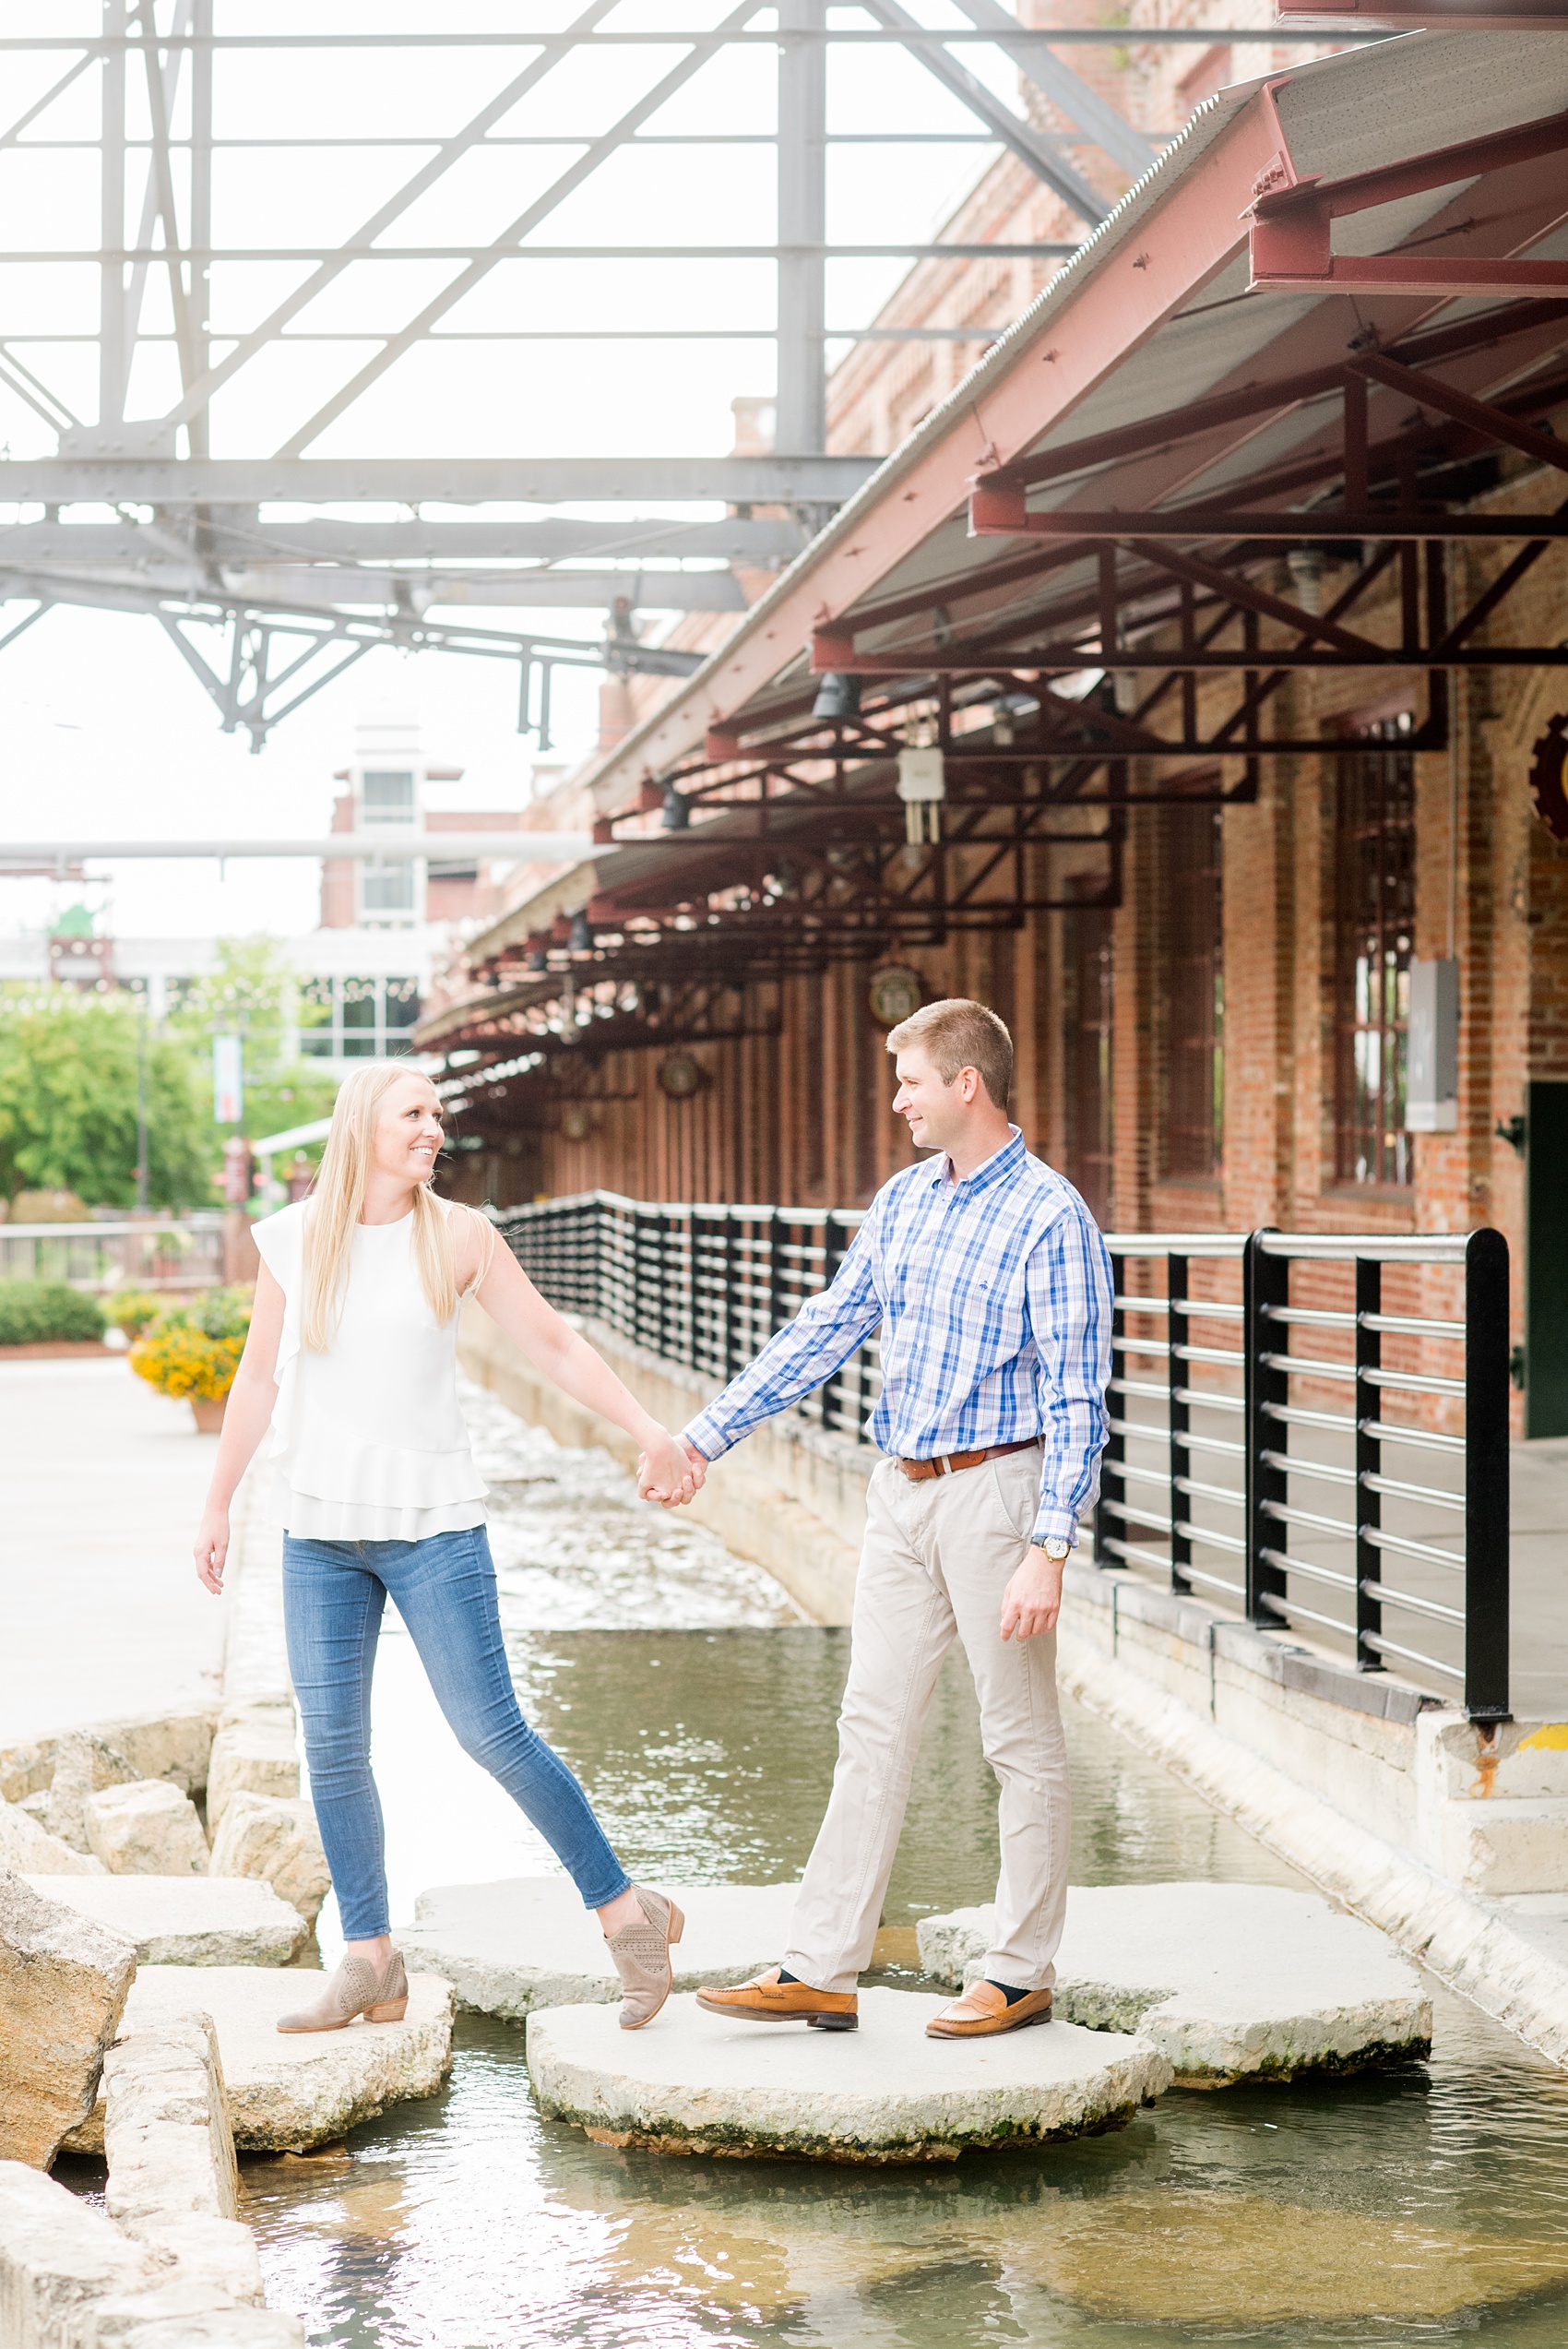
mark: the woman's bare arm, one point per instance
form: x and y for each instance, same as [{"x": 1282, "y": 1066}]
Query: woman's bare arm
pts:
[
  {"x": 666, "y": 1473},
  {"x": 251, "y": 1402}
]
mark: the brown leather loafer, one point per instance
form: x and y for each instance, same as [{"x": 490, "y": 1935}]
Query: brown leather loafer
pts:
[
  {"x": 767, "y": 1999},
  {"x": 982, "y": 2012}
]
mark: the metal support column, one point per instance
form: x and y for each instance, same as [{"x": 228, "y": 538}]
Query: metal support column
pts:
[
  {"x": 112, "y": 357},
  {"x": 201, "y": 210},
  {"x": 800, "y": 429}
]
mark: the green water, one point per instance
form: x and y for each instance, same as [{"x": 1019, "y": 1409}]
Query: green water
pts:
[
  {"x": 1426, "y": 2205},
  {"x": 1423, "y": 2206}
]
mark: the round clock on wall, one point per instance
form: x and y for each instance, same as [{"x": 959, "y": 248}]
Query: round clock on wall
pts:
[
  {"x": 894, "y": 992},
  {"x": 679, "y": 1075}
]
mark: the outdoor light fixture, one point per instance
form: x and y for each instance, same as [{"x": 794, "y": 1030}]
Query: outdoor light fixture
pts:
[
  {"x": 580, "y": 938},
  {"x": 1306, "y": 566},
  {"x": 675, "y": 814},
  {"x": 1124, "y": 690},
  {"x": 838, "y": 695},
  {"x": 922, "y": 786}
]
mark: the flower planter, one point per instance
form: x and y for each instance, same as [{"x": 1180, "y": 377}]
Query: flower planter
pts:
[{"x": 207, "y": 1410}]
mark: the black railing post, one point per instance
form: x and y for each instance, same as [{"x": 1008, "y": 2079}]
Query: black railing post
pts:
[
  {"x": 1176, "y": 1417},
  {"x": 1112, "y": 1483},
  {"x": 1369, "y": 1457},
  {"x": 832, "y": 1254},
  {"x": 1266, "y": 1282},
  {"x": 1485, "y": 1476},
  {"x": 778, "y": 1306}
]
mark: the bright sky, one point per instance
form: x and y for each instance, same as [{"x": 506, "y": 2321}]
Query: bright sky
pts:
[{"x": 106, "y": 730}]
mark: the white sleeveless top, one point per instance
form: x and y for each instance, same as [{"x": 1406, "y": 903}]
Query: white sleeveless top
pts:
[{"x": 370, "y": 1443}]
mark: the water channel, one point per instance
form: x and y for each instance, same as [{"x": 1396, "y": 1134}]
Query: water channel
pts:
[{"x": 1426, "y": 2205}]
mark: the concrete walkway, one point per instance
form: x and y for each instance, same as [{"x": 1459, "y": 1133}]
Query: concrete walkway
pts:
[
  {"x": 100, "y": 1612},
  {"x": 1539, "y": 1579}
]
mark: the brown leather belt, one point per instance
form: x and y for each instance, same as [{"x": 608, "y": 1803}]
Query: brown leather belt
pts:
[{"x": 950, "y": 1463}]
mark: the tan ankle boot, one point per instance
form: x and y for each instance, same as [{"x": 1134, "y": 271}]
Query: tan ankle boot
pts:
[
  {"x": 355, "y": 1989},
  {"x": 642, "y": 1957}
]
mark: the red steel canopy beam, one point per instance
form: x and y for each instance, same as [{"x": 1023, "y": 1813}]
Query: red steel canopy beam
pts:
[
  {"x": 1421, "y": 16},
  {"x": 1290, "y": 242},
  {"x": 1001, "y": 513}
]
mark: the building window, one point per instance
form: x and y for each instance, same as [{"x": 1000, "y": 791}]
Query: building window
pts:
[
  {"x": 1192, "y": 937},
  {"x": 366, "y": 1018},
  {"x": 1375, "y": 922},
  {"x": 386, "y": 886}
]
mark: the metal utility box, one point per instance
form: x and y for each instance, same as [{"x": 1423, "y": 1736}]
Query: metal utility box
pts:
[{"x": 1431, "y": 1057}]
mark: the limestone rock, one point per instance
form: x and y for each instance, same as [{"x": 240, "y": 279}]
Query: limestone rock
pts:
[
  {"x": 528, "y": 1942},
  {"x": 696, "y": 2083},
  {"x": 156, "y": 1745},
  {"x": 173, "y": 2181},
  {"x": 188, "y": 1920},
  {"x": 165, "y": 2126},
  {"x": 63, "y": 1980},
  {"x": 69, "y": 2279},
  {"x": 25, "y": 1769},
  {"x": 84, "y": 1764},
  {"x": 146, "y": 1829},
  {"x": 26, "y": 1845},
  {"x": 254, "y": 1749},
  {"x": 1229, "y": 1981},
  {"x": 172, "y": 1746},
  {"x": 286, "y": 2092},
  {"x": 277, "y": 1840}
]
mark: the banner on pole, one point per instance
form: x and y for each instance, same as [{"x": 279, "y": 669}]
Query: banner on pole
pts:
[{"x": 228, "y": 1080}]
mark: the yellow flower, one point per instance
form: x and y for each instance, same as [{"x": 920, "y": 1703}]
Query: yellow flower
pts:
[{"x": 181, "y": 1363}]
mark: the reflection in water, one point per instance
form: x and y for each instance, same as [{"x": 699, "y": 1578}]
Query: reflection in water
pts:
[{"x": 1425, "y": 2205}]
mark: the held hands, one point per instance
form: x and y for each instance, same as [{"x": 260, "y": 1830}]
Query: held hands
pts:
[
  {"x": 1032, "y": 1600},
  {"x": 212, "y": 1551},
  {"x": 670, "y": 1472}
]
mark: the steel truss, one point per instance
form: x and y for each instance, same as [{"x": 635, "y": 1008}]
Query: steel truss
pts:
[{"x": 192, "y": 546}]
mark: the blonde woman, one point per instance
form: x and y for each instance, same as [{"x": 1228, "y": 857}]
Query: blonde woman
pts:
[{"x": 353, "y": 1359}]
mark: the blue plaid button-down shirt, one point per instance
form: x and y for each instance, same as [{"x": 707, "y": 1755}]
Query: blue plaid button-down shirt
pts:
[{"x": 993, "y": 1295}]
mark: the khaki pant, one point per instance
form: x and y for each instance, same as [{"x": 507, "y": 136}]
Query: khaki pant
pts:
[{"x": 938, "y": 1556}]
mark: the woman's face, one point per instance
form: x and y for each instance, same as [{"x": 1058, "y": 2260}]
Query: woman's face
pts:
[{"x": 407, "y": 1130}]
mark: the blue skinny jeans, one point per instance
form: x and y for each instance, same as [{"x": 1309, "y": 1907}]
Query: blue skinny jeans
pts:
[{"x": 334, "y": 1595}]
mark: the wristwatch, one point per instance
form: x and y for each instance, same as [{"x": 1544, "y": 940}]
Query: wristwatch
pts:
[{"x": 1056, "y": 1548}]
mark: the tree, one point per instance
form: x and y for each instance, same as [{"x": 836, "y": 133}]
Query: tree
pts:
[
  {"x": 252, "y": 992},
  {"x": 69, "y": 1102}
]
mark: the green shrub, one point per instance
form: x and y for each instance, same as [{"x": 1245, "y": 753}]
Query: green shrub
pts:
[
  {"x": 213, "y": 1313},
  {"x": 33, "y": 1312},
  {"x": 132, "y": 1309}
]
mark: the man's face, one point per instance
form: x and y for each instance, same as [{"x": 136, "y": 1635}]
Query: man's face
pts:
[{"x": 933, "y": 1112}]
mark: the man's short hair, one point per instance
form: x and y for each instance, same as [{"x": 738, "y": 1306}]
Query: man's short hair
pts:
[{"x": 957, "y": 1034}]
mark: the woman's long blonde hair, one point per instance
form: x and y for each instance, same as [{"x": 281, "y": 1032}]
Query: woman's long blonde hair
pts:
[{"x": 338, "y": 1199}]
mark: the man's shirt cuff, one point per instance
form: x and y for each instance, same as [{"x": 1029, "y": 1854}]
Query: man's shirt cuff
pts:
[
  {"x": 1051, "y": 1525},
  {"x": 704, "y": 1436}
]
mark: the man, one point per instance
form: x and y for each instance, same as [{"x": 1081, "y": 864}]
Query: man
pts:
[{"x": 993, "y": 1288}]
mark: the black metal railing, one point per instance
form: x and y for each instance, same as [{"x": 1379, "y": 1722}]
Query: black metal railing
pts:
[
  {"x": 1223, "y": 1428},
  {"x": 703, "y": 1286}
]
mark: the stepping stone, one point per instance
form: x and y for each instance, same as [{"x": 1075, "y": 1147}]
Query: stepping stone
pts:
[
  {"x": 286, "y": 2092},
  {"x": 1229, "y": 1981},
  {"x": 695, "y": 2083},
  {"x": 186, "y": 1920},
  {"x": 528, "y": 1942}
]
